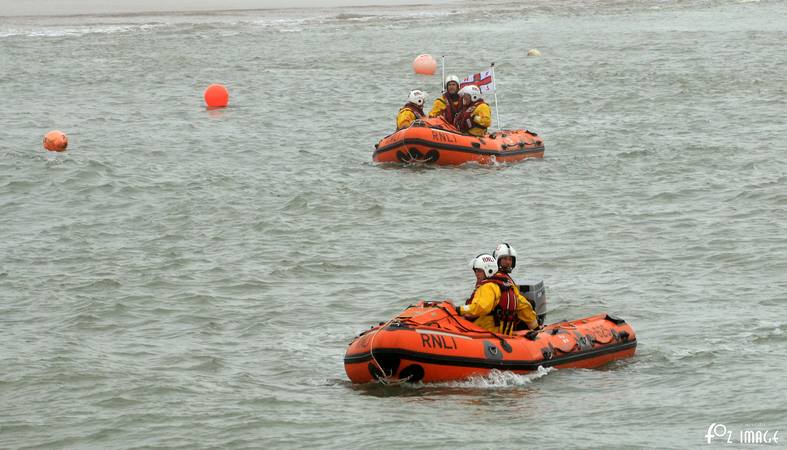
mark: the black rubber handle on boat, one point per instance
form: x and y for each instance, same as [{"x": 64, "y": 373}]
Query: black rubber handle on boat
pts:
[
  {"x": 614, "y": 319},
  {"x": 505, "y": 344},
  {"x": 532, "y": 335}
]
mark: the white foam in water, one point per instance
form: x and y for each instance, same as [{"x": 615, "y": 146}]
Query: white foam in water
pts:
[
  {"x": 76, "y": 31},
  {"x": 501, "y": 379}
]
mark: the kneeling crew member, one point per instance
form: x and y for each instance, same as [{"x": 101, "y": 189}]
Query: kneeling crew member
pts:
[
  {"x": 449, "y": 104},
  {"x": 505, "y": 256},
  {"x": 476, "y": 115},
  {"x": 496, "y": 304},
  {"x": 412, "y": 110}
]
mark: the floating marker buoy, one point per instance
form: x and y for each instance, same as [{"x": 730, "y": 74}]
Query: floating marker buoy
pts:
[
  {"x": 533, "y": 52},
  {"x": 216, "y": 96},
  {"x": 55, "y": 141},
  {"x": 424, "y": 65}
]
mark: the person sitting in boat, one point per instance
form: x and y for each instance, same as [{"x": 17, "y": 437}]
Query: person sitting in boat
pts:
[
  {"x": 476, "y": 115},
  {"x": 505, "y": 256},
  {"x": 496, "y": 304},
  {"x": 412, "y": 110},
  {"x": 449, "y": 103}
]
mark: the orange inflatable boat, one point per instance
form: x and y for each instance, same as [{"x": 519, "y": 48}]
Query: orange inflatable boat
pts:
[
  {"x": 435, "y": 141},
  {"x": 429, "y": 342}
]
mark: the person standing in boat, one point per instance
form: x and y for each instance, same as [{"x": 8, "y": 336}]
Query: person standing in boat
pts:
[
  {"x": 476, "y": 115},
  {"x": 412, "y": 110},
  {"x": 449, "y": 103},
  {"x": 496, "y": 304}
]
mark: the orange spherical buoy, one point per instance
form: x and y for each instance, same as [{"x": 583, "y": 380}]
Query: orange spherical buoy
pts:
[
  {"x": 424, "y": 65},
  {"x": 55, "y": 141},
  {"x": 216, "y": 96}
]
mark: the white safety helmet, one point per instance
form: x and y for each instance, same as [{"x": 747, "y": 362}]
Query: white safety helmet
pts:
[
  {"x": 505, "y": 250},
  {"x": 472, "y": 91},
  {"x": 417, "y": 97},
  {"x": 485, "y": 262},
  {"x": 451, "y": 78}
]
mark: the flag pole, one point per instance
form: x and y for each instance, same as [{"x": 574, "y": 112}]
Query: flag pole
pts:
[
  {"x": 497, "y": 110},
  {"x": 442, "y": 80}
]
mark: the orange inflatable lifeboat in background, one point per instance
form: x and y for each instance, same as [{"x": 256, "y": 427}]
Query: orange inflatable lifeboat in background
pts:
[
  {"x": 435, "y": 141},
  {"x": 430, "y": 342}
]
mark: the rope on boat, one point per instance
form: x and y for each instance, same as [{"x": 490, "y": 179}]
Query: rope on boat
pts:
[
  {"x": 389, "y": 380},
  {"x": 383, "y": 378}
]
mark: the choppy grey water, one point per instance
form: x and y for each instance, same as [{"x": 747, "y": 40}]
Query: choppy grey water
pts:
[{"x": 191, "y": 279}]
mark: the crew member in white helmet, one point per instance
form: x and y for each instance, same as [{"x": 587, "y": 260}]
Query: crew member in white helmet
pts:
[
  {"x": 449, "y": 104},
  {"x": 476, "y": 115},
  {"x": 412, "y": 110},
  {"x": 505, "y": 256},
  {"x": 496, "y": 304}
]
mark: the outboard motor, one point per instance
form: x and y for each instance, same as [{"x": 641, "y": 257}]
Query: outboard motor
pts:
[{"x": 533, "y": 290}]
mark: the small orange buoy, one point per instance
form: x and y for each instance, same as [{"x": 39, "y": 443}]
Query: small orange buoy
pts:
[
  {"x": 424, "y": 65},
  {"x": 216, "y": 96},
  {"x": 55, "y": 141}
]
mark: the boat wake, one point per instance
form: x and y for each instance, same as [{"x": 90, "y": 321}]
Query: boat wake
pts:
[
  {"x": 496, "y": 380},
  {"x": 499, "y": 379}
]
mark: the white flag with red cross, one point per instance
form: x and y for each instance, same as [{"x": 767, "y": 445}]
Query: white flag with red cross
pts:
[{"x": 484, "y": 80}]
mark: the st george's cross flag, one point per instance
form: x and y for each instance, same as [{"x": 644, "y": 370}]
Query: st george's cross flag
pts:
[{"x": 484, "y": 80}]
